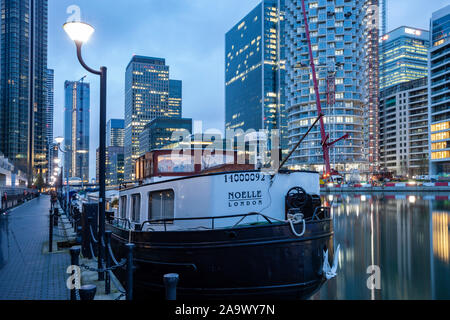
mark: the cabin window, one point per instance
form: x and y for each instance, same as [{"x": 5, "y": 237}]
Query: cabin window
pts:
[
  {"x": 161, "y": 205},
  {"x": 135, "y": 207},
  {"x": 123, "y": 207}
]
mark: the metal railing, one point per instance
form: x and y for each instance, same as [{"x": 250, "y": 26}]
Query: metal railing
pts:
[
  {"x": 319, "y": 213},
  {"x": 213, "y": 219},
  {"x": 15, "y": 197}
]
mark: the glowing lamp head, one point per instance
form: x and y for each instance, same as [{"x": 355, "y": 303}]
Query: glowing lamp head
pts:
[
  {"x": 59, "y": 140},
  {"x": 78, "y": 31}
]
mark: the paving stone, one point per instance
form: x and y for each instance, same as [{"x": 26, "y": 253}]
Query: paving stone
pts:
[{"x": 27, "y": 272}]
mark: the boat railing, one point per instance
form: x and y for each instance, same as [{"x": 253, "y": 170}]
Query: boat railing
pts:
[
  {"x": 167, "y": 221},
  {"x": 121, "y": 222}
]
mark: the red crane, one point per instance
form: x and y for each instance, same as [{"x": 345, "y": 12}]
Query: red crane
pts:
[{"x": 325, "y": 137}]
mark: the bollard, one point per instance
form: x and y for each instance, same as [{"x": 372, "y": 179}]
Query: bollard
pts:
[
  {"x": 108, "y": 261},
  {"x": 87, "y": 292},
  {"x": 170, "y": 282},
  {"x": 79, "y": 234},
  {"x": 50, "y": 233},
  {"x": 74, "y": 261},
  {"x": 129, "y": 290}
]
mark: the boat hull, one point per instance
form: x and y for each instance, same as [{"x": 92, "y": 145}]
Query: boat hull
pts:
[{"x": 252, "y": 262}]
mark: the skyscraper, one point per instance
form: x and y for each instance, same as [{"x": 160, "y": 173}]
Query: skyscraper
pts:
[
  {"x": 23, "y": 105},
  {"x": 175, "y": 98},
  {"x": 115, "y": 132},
  {"x": 146, "y": 98},
  {"x": 404, "y": 56},
  {"x": 49, "y": 85},
  {"x": 439, "y": 92},
  {"x": 344, "y": 37},
  {"x": 76, "y": 129},
  {"x": 254, "y": 72}
]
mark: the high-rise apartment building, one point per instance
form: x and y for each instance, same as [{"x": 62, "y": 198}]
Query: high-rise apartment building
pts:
[
  {"x": 404, "y": 128},
  {"x": 404, "y": 56},
  {"x": 344, "y": 37},
  {"x": 146, "y": 98},
  {"x": 255, "y": 71},
  {"x": 76, "y": 129},
  {"x": 175, "y": 98},
  {"x": 115, "y": 133},
  {"x": 50, "y": 92},
  {"x": 439, "y": 92},
  {"x": 23, "y": 103}
]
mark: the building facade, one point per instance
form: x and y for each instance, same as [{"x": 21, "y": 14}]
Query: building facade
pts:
[
  {"x": 115, "y": 133},
  {"x": 439, "y": 92},
  {"x": 255, "y": 71},
  {"x": 404, "y": 56},
  {"x": 404, "y": 128},
  {"x": 23, "y": 104},
  {"x": 146, "y": 98},
  {"x": 50, "y": 92},
  {"x": 344, "y": 37},
  {"x": 175, "y": 98},
  {"x": 76, "y": 129},
  {"x": 160, "y": 132},
  {"x": 114, "y": 166}
]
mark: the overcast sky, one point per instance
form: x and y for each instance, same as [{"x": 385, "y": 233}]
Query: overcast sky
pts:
[{"x": 189, "y": 34}]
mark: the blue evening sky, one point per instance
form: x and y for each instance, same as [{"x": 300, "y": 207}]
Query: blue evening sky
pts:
[{"x": 189, "y": 34}]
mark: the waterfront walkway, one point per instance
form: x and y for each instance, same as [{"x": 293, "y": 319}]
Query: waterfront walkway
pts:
[{"x": 27, "y": 270}]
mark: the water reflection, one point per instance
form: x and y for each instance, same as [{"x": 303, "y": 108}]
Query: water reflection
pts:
[{"x": 407, "y": 236}]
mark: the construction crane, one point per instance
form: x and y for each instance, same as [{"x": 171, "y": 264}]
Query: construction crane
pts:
[{"x": 326, "y": 145}]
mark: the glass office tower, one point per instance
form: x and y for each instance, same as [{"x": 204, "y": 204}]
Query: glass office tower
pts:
[
  {"x": 159, "y": 132},
  {"x": 115, "y": 132},
  {"x": 439, "y": 92},
  {"x": 344, "y": 36},
  {"x": 76, "y": 129},
  {"x": 146, "y": 98},
  {"x": 175, "y": 98},
  {"x": 404, "y": 56},
  {"x": 254, "y": 72},
  {"x": 23, "y": 104}
]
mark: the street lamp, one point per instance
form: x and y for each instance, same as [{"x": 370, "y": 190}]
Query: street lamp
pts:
[{"x": 80, "y": 33}]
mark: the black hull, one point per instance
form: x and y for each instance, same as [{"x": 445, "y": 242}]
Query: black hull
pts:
[{"x": 257, "y": 262}]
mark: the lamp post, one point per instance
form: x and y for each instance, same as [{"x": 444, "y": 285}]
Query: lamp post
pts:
[
  {"x": 80, "y": 33},
  {"x": 58, "y": 141}
]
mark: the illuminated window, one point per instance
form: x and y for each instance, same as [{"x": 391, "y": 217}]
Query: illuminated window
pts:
[
  {"x": 440, "y": 126},
  {"x": 440, "y": 155},
  {"x": 439, "y": 146},
  {"x": 440, "y": 136}
]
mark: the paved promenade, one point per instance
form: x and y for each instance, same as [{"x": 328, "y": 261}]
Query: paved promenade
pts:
[{"x": 26, "y": 271}]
